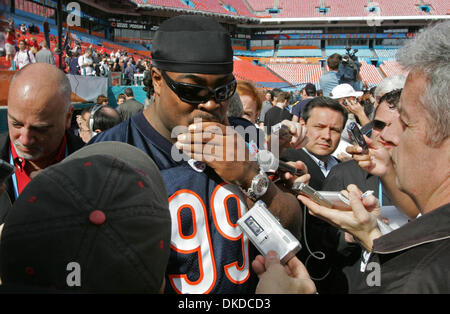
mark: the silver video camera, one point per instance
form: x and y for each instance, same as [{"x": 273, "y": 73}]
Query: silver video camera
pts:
[{"x": 266, "y": 233}]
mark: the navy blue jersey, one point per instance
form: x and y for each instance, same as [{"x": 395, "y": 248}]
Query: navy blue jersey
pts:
[{"x": 209, "y": 253}]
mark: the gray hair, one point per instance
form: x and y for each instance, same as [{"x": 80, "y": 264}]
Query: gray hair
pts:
[
  {"x": 430, "y": 52},
  {"x": 389, "y": 84}
]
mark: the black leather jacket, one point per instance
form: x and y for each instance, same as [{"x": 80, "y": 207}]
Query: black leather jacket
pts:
[{"x": 413, "y": 259}]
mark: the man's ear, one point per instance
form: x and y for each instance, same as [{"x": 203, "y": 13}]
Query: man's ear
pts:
[
  {"x": 69, "y": 117},
  {"x": 157, "y": 80},
  {"x": 302, "y": 122}
]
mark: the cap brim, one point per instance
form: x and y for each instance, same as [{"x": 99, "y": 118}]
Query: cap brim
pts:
[{"x": 355, "y": 94}]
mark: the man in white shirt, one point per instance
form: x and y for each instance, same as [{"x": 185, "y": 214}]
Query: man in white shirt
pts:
[
  {"x": 86, "y": 63},
  {"x": 23, "y": 56}
]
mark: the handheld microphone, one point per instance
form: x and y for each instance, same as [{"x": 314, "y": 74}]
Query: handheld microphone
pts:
[{"x": 269, "y": 163}]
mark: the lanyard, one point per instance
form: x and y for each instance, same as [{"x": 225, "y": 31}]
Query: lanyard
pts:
[
  {"x": 14, "y": 176},
  {"x": 380, "y": 193}
]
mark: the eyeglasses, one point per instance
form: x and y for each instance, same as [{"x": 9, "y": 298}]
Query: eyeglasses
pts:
[
  {"x": 379, "y": 125},
  {"x": 197, "y": 94}
]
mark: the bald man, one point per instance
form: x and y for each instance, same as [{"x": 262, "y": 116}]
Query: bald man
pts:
[{"x": 39, "y": 115}]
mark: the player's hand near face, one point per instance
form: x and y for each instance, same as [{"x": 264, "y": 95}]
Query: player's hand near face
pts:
[{"x": 221, "y": 148}]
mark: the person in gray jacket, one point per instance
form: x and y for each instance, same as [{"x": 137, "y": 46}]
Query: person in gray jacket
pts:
[
  {"x": 130, "y": 107},
  {"x": 45, "y": 55}
]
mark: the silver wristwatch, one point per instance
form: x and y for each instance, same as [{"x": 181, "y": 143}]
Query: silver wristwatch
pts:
[{"x": 258, "y": 187}]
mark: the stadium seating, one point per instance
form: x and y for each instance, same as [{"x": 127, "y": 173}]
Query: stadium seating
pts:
[
  {"x": 370, "y": 74},
  {"x": 410, "y": 7},
  {"x": 240, "y": 7},
  {"x": 390, "y": 68},
  {"x": 256, "y": 53},
  {"x": 339, "y": 8},
  {"x": 280, "y": 74},
  {"x": 386, "y": 54},
  {"x": 303, "y": 8},
  {"x": 230, "y": 7},
  {"x": 299, "y": 53},
  {"x": 345, "y": 8},
  {"x": 260, "y": 5},
  {"x": 244, "y": 69},
  {"x": 298, "y": 73},
  {"x": 362, "y": 51},
  {"x": 164, "y": 3}
]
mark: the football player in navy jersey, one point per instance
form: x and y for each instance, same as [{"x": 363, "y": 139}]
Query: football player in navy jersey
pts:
[{"x": 192, "y": 77}]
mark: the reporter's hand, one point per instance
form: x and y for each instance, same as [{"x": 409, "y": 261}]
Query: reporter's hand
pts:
[
  {"x": 277, "y": 279},
  {"x": 343, "y": 157},
  {"x": 289, "y": 179},
  {"x": 354, "y": 107},
  {"x": 361, "y": 221},
  {"x": 298, "y": 132},
  {"x": 357, "y": 109},
  {"x": 377, "y": 161}
]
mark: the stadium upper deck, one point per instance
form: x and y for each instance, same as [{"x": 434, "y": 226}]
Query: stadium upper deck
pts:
[
  {"x": 269, "y": 51},
  {"x": 306, "y": 8}
]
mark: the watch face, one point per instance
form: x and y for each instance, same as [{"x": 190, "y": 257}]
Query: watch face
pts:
[{"x": 261, "y": 185}]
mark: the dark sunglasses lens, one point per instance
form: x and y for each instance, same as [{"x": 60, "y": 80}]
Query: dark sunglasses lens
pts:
[
  {"x": 225, "y": 92},
  {"x": 192, "y": 93},
  {"x": 378, "y": 125}
]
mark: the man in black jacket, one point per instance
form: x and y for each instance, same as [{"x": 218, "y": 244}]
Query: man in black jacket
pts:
[
  {"x": 39, "y": 115},
  {"x": 324, "y": 119}
]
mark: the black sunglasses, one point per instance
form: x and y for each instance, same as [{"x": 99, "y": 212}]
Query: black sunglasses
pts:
[
  {"x": 197, "y": 94},
  {"x": 379, "y": 125}
]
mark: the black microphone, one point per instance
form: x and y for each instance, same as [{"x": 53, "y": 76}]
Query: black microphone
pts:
[{"x": 269, "y": 163}]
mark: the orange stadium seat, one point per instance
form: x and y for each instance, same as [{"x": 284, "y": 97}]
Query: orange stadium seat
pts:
[
  {"x": 370, "y": 74},
  {"x": 298, "y": 73},
  {"x": 260, "y": 5},
  {"x": 390, "y": 68},
  {"x": 246, "y": 70}
]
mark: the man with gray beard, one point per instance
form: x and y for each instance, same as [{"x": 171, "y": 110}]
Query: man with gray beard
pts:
[{"x": 39, "y": 115}]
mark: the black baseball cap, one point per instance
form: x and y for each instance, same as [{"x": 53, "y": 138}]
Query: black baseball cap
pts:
[
  {"x": 192, "y": 44},
  {"x": 97, "y": 222}
]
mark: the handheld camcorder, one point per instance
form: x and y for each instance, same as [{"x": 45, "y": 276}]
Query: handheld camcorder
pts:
[{"x": 267, "y": 234}]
